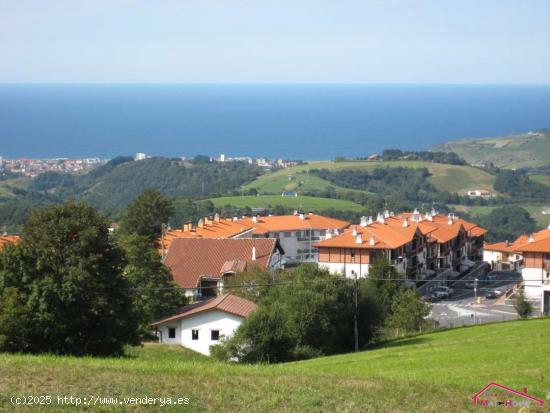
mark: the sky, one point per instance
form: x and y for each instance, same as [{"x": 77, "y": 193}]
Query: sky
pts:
[{"x": 279, "y": 41}]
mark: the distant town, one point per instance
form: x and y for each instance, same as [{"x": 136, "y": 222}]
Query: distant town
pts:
[{"x": 33, "y": 167}]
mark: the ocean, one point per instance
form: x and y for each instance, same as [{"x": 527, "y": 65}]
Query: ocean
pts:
[{"x": 289, "y": 121}]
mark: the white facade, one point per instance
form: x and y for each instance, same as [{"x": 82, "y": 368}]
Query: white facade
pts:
[
  {"x": 536, "y": 280},
  {"x": 197, "y": 331},
  {"x": 298, "y": 244},
  {"x": 348, "y": 270}
]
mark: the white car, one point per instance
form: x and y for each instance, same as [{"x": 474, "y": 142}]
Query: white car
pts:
[{"x": 443, "y": 292}]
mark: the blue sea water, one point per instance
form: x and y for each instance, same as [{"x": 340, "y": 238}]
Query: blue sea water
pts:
[{"x": 289, "y": 121}]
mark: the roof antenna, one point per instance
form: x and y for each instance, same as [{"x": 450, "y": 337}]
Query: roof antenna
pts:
[{"x": 4, "y": 231}]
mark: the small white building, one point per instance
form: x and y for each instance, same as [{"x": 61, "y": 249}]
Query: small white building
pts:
[{"x": 205, "y": 323}]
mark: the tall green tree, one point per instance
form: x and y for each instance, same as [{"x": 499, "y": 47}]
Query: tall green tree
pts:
[
  {"x": 408, "y": 315},
  {"x": 146, "y": 215},
  {"x": 63, "y": 286},
  {"x": 153, "y": 293}
]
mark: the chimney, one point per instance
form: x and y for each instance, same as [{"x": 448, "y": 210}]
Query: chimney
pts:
[
  {"x": 207, "y": 221},
  {"x": 235, "y": 219},
  {"x": 329, "y": 235},
  {"x": 405, "y": 223},
  {"x": 187, "y": 226},
  {"x": 416, "y": 211},
  {"x": 217, "y": 217},
  {"x": 363, "y": 221},
  {"x": 386, "y": 214},
  {"x": 369, "y": 221},
  {"x": 255, "y": 219},
  {"x": 548, "y": 227},
  {"x": 433, "y": 212},
  {"x": 295, "y": 212},
  {"x": 201, "y": 223},
  {"x": 354, "y": 232},
  {"x": 358, "y": 239},
  {"x": 531, "y": 239},
  {"x": 336, "y": 232},
  {"x": 507, "y": 243},
  {"x": 450, "y": 221},
  {"x": 372, "y": 241},
  {"x": 302, "y": 216},
  {"x": 253, "y": 253},
  {"x": 380, "y": 218}
]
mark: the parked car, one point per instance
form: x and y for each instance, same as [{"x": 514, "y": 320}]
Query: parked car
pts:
[
  {"x": 429, "y": 298},
  {"x": 443, "y": 292},
  {"x": 493, "y": 293}
]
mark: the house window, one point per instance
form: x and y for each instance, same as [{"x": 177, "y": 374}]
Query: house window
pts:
[
  {"x": 171, "y": 332},
  {"x": 215, "y": 335},
  {"x": 288, "y": 234},
  {"x": 194, "y": 334}
]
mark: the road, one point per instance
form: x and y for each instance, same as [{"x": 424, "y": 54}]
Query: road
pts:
[{"x": 462, "y": 308}]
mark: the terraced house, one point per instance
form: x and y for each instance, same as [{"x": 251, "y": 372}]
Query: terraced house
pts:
[
  {"x": 415, "y": 244},
  {"x": 531, "y": 254}
]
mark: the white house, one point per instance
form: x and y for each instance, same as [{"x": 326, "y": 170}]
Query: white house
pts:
[{"x": 203, "y": 324}]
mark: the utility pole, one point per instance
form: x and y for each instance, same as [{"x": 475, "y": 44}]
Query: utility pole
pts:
[{"x": 355, "y": 328}]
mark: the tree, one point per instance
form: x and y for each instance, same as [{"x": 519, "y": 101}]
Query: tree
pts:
[
  {"x": 63, "y": 286},
  {"x": 153, "y": 293},
  {"x": 523, "y": 307},
  {"x": 308, "y": 313},
  {"x": 508, "y": 223},
  {"x": 252, "y": 284},
  {"x": 146, "y": 215},
  {"x": 407, "y": 314}
]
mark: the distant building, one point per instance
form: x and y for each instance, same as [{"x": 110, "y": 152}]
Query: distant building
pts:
[
  {"x": 289, "y": 194},
  {"x": 483, "y": 193},
  {"x": 222, "y": 157},
  {"x": 140, "y": 156},
  {"x": 546, "y": 211}
]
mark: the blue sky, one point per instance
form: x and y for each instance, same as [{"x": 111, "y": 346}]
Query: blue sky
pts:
[{"x": 260, "y": 41}]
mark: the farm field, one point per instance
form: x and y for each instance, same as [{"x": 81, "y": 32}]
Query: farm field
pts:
[
  {"x": 428, "y": 373},
  {"x": 534, "y": 210},
  {"x": 307, "y": 203},
  {"x": 452, "y": 178}
]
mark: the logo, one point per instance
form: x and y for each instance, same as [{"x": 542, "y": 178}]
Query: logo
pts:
[{"x": 497, "y": 395}]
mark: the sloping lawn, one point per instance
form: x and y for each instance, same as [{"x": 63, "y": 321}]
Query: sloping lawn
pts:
[{"x": 435, "y": 372}]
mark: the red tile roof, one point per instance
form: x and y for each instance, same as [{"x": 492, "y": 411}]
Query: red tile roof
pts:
[
  {"x": 190, "y": 259},
  {"x": 227, "y": 303}
]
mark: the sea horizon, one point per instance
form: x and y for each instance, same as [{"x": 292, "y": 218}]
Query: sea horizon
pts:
[{"x": 309, "y": 121}]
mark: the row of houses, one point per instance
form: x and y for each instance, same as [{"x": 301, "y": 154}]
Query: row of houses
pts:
[
  {"x": 201, "y": 256},
  {"x": 529, "y": 254}
]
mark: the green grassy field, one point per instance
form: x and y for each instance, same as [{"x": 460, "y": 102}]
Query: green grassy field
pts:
[
  {"x": 306, "y": 203},
  {"x": 534, "y": 210},
  {"x": 453, "y": 178},
  {"x": 436, "y": 372},
  {"x": 541, "y": 178},
  {"x": 514, "y": 151}
]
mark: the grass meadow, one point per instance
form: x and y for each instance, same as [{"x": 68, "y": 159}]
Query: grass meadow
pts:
[{"x": 436, "y": 372}]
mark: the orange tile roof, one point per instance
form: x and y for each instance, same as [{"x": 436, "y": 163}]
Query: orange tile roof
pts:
[
  {"x": 190, "y": 259},
  {"x": 224, "y": 228},
  {"x": 372, "y": 236},
  {"x": 8, "y": 239},
  {"x": 227, "y": 303},
  {"x": 395, "y": 232},
  {"x": 537, "y": 242},
  {"x": 279, "y": 223}
]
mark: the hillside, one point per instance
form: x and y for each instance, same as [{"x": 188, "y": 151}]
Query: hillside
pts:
[
  {"x": 529, "y": 149},
  {"x": 445, "y": 177},
  {"x": 306, "y": 203},
  {"x": 428, "y": 373}
]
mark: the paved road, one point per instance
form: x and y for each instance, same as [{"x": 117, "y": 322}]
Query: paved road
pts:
[{"x": 462, "y": 308}]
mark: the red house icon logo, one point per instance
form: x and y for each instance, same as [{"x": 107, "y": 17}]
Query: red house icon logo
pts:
[{"x": 479, "y": 399}]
